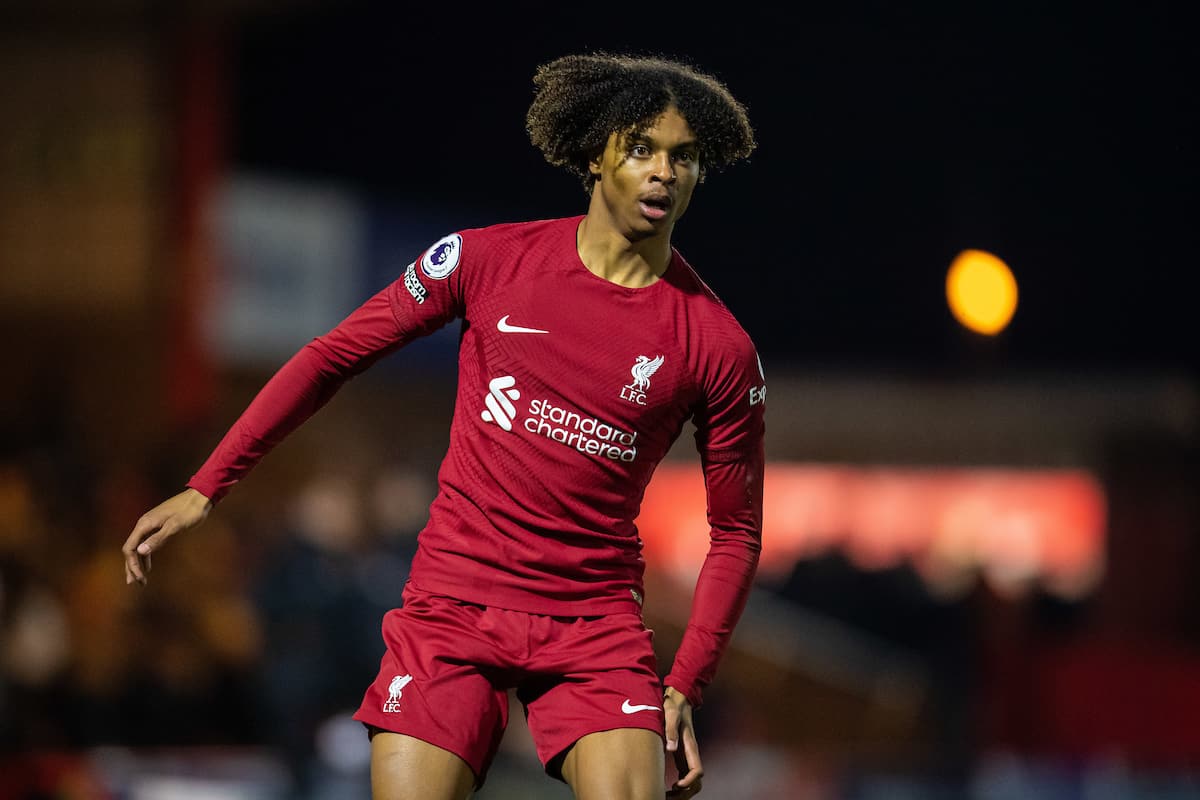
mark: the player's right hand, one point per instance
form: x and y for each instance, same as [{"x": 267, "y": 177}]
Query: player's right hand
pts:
[{"x": 183, "y": 511}]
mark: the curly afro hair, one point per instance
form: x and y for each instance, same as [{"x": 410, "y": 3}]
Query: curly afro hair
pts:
[{"x": 580, "y": 100}]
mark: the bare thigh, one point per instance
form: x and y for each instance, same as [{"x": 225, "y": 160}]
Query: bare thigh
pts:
[
  {"x": 407, "y": 768},
  {"x": 626, "y": 763}
]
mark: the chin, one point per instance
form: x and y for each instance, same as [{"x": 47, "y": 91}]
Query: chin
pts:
[
  {"x": 654, "y": 227},
  {"x": 644, "y": 230}
]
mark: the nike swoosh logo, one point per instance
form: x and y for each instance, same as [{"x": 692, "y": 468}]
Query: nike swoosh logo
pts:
[
  {"x": 504, "y": 327},
  {"x": 630, "y": 708}
]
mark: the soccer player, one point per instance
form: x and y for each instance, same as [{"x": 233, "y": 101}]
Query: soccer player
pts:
[{"x": 587, "y": 344}]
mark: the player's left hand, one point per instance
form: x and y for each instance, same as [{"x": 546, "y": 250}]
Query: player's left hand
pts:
[{"x": 681, "y": 744}]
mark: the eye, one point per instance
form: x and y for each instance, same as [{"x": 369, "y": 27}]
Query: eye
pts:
[
  {"x": 685, "y": 156},
  {"x": 639, "y": 150}
]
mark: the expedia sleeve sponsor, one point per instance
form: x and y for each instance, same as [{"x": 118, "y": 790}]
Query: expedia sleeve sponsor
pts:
[
  {"x": 735, "y": 398},
  {"x": 758, "y": 394}
]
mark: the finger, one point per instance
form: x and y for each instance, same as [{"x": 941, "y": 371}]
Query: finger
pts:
[
  {"x": 683, "y": 792},
  {"x": 134, "y": 571},
  {"x": 157, "y": 540},
  {"x": 147, "y": 536},
  {"x": 681, "y": 762},
  {"x": 691, "y": 760},
  {"x": 690, "y": 779},
  {"x": 133, "y": 562},
  {"x": 671, "y": 723}
]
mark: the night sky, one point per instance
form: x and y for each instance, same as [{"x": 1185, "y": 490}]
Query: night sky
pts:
[{"x": 1062, "y": 139}]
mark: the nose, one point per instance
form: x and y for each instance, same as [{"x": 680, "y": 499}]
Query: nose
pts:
[{"x": 664, "y": 168}]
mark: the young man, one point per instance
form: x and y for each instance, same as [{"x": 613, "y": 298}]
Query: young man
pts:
[{"x": 587, "y": 344}]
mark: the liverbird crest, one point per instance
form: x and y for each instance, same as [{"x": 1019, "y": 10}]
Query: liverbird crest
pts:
[{"x": 643, "y": 369}]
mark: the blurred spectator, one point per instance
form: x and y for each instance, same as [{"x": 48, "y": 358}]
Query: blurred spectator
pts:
[
  {"x": 202, "y": 646},
  {"x": 323, "y": 589},
  {"x": 897, "y": 607},
  {"x": 84, "y": 663},
  {"x": 34, "y": 636}
]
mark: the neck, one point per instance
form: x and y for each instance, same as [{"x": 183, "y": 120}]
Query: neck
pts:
[{"x": 613, "y": 256}]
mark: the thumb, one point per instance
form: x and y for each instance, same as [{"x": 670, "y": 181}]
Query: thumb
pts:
[
  {"x": 157, "y": 540},
  {"x": 672, "y": 730}
]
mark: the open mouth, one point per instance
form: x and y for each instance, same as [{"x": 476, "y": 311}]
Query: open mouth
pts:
[{"x": 655, "y": 207}]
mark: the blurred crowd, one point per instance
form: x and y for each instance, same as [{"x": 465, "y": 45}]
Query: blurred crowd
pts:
[
  {"x": 259, "y": 632},
  {"x": 242, "y": 637}
]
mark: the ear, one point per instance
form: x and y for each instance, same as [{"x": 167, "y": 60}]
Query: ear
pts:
[{"x": 596, "y": 159}]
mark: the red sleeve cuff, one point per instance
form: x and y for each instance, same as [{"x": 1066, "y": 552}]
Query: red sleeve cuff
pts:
[{"x": 686, "y": 688}]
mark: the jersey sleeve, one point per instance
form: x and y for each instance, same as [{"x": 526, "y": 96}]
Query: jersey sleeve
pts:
[
  {"x": 729, "y": 437},
  {"x": 428, "y": 295}
]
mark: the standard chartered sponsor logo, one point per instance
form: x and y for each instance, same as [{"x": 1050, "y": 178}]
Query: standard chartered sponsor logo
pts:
[
  {"x": 498, "y": 400},
  {"x": 586, "y": 434}
]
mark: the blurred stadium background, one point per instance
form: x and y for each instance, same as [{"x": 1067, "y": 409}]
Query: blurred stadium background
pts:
[{"x": 981, "y": 551}]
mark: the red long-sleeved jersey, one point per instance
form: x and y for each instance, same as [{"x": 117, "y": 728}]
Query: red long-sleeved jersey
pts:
[{"x": 571, "y": 390}]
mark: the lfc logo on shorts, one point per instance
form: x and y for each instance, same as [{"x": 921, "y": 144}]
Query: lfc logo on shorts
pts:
[{"x": 395, "y": 690}]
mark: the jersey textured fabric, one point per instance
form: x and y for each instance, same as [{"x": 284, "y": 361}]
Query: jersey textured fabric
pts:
[{"x": 571, "y": 390}]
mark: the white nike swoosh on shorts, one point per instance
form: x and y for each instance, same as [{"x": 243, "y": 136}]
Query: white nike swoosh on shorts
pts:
[
  {"x": 504, "y": 327},
  {"x": 630, "y": 708}
]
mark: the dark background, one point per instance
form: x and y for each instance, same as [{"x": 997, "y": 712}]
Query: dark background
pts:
[{"x": 1060, "y": 138}]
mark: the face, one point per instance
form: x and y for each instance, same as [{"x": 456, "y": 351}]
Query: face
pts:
[{"x": 645, "y": 180}]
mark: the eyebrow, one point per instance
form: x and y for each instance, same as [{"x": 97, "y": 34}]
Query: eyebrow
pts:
[{"x": 639, "y": 138}]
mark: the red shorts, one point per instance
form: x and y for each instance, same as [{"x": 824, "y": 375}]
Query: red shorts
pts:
[{"x": 449, "y": 665}]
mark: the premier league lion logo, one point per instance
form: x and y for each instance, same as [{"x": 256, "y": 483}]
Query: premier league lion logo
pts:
[{"x": 442, "y": 257}]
